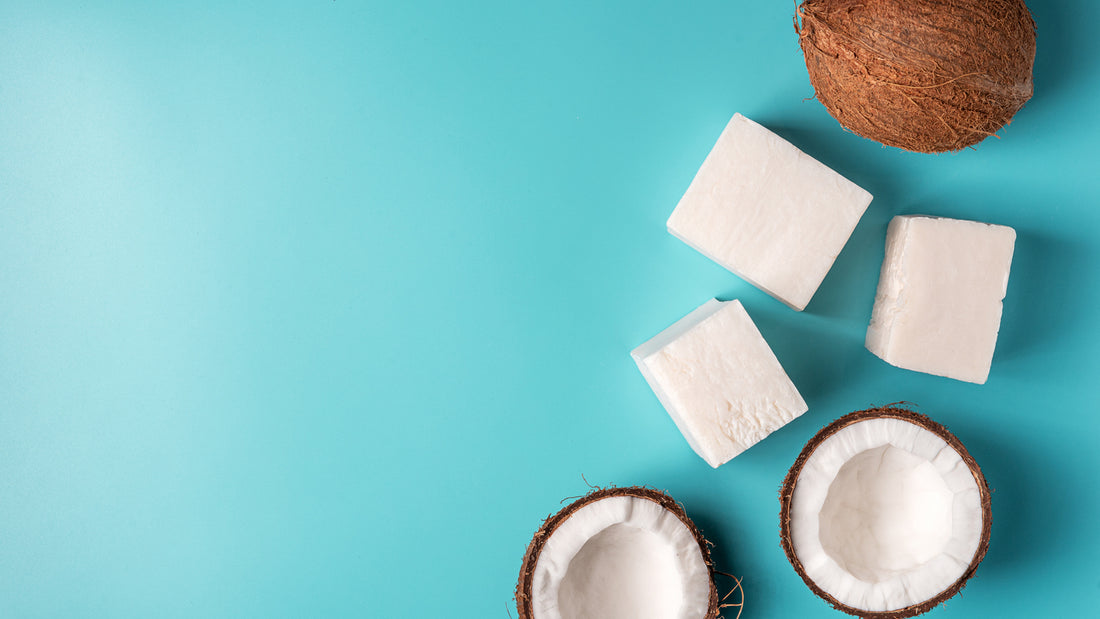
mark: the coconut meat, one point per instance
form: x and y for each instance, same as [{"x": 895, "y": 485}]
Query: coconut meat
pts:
[
  {"x": 621, "y": 558},
  {"x": 884, "y": 515}
]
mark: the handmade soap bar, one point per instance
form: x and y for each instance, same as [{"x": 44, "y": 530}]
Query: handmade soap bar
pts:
[
  {"x": 770, "y": 213},
  {"x": 938, "y": 305},
  {"x": 719, "y": 380}
]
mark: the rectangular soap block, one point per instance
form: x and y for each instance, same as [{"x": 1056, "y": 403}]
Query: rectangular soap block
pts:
[
  {"x": 938, "y": 305},
  {"x": 768, "y": 212},
  {"x": 719, "y": 380}
]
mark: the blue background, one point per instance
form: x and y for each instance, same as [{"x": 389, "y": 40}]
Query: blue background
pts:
[{"x": 317, "y": 309}]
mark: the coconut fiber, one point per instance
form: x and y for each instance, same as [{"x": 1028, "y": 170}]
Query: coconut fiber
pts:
[{"x": 923, "y": 75}]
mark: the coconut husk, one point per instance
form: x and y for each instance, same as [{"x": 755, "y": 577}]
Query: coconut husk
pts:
[
  {"x": 787, "y": 491},
  {"x": 923, "y": 75},
  {"x": 552, "y": 522}
]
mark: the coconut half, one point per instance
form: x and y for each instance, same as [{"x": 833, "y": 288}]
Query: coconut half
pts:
[
  {"x": 885, "y": 514},
  {"x": 618, "y": 553}
]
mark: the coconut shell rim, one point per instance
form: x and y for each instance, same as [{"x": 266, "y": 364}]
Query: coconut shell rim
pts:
[
  {"x": 523, "y": 596},
  {"x": 884, "y": 412}
]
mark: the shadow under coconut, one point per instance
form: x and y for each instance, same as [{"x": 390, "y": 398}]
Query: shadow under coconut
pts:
[
  {"x": 723, "y": 555},
  {"x": 1025, "y": 504},
  {"x": 1062, "y": 40}
]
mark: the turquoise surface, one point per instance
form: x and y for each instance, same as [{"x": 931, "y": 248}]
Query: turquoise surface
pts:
[{"x": 317, "y": 309}]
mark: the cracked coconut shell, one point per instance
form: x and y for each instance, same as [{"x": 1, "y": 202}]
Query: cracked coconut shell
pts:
[{"x": 923, "y": 75}]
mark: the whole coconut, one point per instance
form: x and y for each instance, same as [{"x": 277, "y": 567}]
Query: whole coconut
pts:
[{"x": 923, "y": 75}]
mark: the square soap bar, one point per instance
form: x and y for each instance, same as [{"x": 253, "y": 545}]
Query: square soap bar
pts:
[
  {"x": 768, "y": 212},
  {"x": 938, "y": 305},
  {"x": 719, "y": 380}
]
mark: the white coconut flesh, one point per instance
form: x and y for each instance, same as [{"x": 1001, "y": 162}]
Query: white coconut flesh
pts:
[
  {"x": 621, "y": 558},
  {"x": 884, "y": 515}
]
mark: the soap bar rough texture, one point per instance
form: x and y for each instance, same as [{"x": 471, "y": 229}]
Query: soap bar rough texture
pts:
[
  {"x": 719, "y": 380},
  {"x": 938, "y": 305},
  {"x": 770, "y": 213}
]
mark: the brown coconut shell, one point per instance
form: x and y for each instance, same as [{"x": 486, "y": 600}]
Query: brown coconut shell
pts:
[
  {"x": 923, "y": 75},
  {"x": 787, "y": 491},
  {"x": 551, "y": 524}
]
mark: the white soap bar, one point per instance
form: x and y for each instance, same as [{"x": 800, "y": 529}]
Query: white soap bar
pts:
[
  {"x": 938, "y": 305},
  {"x": 770, "y": 213},
  {"x": 719, "y": 380}
]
